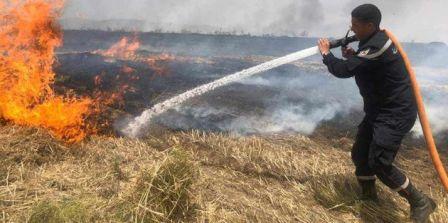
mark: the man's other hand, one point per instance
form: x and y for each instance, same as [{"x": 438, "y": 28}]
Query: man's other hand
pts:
[
  {"x": 324, "y": 46},
  {"x": 347, "y": 51}
]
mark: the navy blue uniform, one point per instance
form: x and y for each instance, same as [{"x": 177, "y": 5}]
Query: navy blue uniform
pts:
[{"x": 389, "y": 105}]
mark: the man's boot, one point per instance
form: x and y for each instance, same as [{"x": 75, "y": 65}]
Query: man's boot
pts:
[
  {"x": 421, "y": 205},
  {"x": 368, "y": 190}
]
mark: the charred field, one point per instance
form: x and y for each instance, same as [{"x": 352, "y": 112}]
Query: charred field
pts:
[
  {"x": 179, "y": 62},
  {"x": 272, "y": 148}
]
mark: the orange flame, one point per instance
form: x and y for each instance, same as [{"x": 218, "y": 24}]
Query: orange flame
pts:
[
  {"x": 125, "y": 48},
  {"x": 127, "y": 70},
  {"x": 153, "y": 62},
  {"x": 28, "y": 38}
]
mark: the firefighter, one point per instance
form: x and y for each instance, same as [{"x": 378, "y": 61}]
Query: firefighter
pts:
[{"x": 389, "y": 106}]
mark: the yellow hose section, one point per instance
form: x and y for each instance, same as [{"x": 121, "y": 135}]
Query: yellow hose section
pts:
[{"x": 430, "y": 144}]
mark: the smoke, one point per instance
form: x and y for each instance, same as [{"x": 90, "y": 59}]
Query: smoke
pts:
[
  {"x": 409, "y": 19},
  {"x": 436, "y": 58},
  {"x": 432, "y": 75},
  {"x": 434, "y": 83},
  {"x": 286, "y": 118},
  {"x": 293, "y": 100},
  {"x": 141, "y": 122},
  {"x": 252, "y": 16},
  {"x": 305, "y": 99},
  {"x": 301, "y": 101},
  {"x": 412, "y": 20}
]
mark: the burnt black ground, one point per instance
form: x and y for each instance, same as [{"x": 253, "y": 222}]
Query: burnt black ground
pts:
[{"x": 78, "y": 65}]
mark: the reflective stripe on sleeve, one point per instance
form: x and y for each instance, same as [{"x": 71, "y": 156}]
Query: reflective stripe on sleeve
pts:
[{"x": 379, "y": 53}]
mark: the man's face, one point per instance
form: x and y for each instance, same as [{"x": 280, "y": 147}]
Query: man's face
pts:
[{"x": 362, "y": 29}]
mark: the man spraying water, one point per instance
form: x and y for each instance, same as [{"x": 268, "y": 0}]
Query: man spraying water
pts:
[
  {"x": 384, "y": 76},
  {"x": 389, "y": 105}
]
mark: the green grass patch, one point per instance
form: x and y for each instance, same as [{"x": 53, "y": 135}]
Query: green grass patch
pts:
[{"x": 64, "y": 211}]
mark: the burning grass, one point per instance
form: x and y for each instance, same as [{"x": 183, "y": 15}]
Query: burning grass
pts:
[
  {"x": 29, "y": 34},
  {"x": 33, "y": 96},
  {"x": 193, "y": 177},
  {"x": 167, "y": 176}
]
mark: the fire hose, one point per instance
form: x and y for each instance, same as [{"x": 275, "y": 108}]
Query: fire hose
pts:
[
  {"x": 133, "y": 127},
  {"x": 429, "y": 139},
  {"x": 430, "y": 143}
]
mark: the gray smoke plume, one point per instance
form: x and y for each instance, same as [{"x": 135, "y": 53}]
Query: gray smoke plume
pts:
[
  {"x": 140, "y": 122},
  {"x": 302, "y": 101},
  {"x": 409, "y": 19},
  {"x": 434, "y": 83}
]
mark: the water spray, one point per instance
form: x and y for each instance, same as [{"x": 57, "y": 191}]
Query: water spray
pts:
[{"x": 136, "y": 126}]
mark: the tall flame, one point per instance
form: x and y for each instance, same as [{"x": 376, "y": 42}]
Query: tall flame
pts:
[{"x": 28, "y": 38}]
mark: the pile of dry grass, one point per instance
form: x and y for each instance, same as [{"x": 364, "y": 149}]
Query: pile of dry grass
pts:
[
  {"x": 164, "y": 193},
  {"x": 193, "y": 177}
]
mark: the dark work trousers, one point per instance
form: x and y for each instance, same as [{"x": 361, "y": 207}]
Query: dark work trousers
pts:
[{"x": 377, "y": 143}]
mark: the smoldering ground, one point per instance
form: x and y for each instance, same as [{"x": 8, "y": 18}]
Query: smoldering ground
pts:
[
  {"x": 293, "y": 98},
  {"x": 288, "y": 99}
]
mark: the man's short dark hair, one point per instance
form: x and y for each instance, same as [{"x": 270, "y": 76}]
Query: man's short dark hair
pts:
[{"x": 368, "y": 13}]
